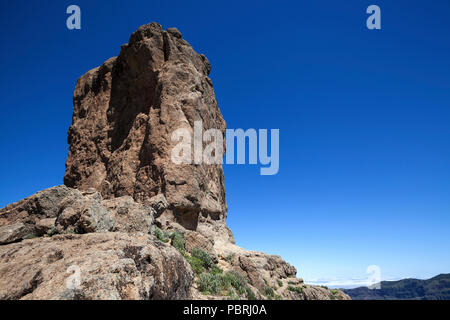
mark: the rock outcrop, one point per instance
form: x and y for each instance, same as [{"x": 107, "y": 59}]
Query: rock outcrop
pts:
[
  {"x": 129, "y": 223},
  {"x": 124, "y": 115}
]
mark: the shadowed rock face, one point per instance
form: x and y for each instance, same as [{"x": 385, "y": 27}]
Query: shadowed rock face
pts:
[{"x": 124, "y": 115}]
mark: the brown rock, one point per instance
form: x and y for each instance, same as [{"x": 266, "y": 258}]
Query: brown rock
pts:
[
  {"x": 124, "y": 115},
  {"x": 44, "y": 226},
  {"x": 69, "y": 210},
  {"x": 111, "y": 266},
  {"x": 129, "y": 216},
  {"x": 13, "y": 232},
  {"x": 195, "y": 240}
]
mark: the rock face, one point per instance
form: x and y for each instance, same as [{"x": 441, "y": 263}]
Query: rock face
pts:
[
  {"x": 129, "y": 223},
  {"x": 124, "y": 115},
  {"x": 109, "y": 266}
]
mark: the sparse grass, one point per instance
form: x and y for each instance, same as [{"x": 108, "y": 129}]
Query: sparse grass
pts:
[
  {"x": 51, "y": 232},
  {"x": 269, "y": 292},
  {"x": 335, "y": 295},
  {"x": 249, "y": 294},
  {"x": 233, "y": 296},
  {"x": 229, "y": 258},
  {"x": 29, "y": 236},
  {"x": 70, "y": 231},
  {"x": 299, "y": 290}
]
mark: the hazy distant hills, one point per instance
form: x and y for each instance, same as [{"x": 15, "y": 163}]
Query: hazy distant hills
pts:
[{"x": 436, "y": 288}]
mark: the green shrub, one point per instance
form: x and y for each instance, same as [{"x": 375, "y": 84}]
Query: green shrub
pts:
[
  {"x": 233, "y": 296},
  {"x": 249, "y": 294},
  {"x": 236, "y": 280},
  {"x": 203, "y": 256},
  {"x": 209, "y": 283},
  {"x": 230, "y": 283},
  {"x": 280, "y": 283},
  {"x": 229, "y": 257},
  {"x": 269, "y": 292},
  {"x": 216, "y": 270},
  {"x": 51, "y": 232},
  {"x": 196, "y": 264},
  {"x": 334, "y": 294},
  {"x": 325, "y": 287},
  {"x": 295, "y": 289},
  {"x": 160, "y": 234},
  {"x": 178, "y": 241}
]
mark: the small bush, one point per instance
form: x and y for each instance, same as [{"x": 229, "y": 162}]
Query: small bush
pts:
[
  {"x": 295, "y": 289},
  {"x": 178, "y": 241},
  {"x": 196, "y": 264},
  {"x": 280, "y": 283},
  {"x": 231, "y": 283},
  {"x": 51, "y": 232},
  {"x": 228, "y": 258},
  {"x": 269, "y": 292},
  {"x": 203, "y": 256},
  {"x": 335, "y": 295},
  {"x": 209, "y": 283},
  {"x": 162, "y": 236},
  {"x": 249, "y": 294},
  {"x": 236, "y": 280},
  {"x": 334, "y": 291},
  {"x": 233, "y": 296},
  {"x": 325, "y": 287},
  {"x": 216, "y": 270}
]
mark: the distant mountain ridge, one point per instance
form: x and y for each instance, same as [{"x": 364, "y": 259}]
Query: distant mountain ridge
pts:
[{"x": 436, "y": 288}]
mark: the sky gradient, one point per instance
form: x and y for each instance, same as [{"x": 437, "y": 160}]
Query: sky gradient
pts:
[{"x": 363, "y": 116}]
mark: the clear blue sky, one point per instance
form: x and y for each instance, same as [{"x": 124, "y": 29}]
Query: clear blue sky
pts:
[{"x": 363, "y": 116}]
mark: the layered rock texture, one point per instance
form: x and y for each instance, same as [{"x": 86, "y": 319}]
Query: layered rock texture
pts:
[{"x": 129, "y": 223}]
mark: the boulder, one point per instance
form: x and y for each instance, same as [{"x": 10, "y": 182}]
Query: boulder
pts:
[{"x": 13, "y": 232}]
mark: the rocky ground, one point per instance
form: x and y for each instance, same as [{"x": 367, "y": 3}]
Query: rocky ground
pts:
[
  {"x": 129, "y": 223},
  {"x": 121, "y": 253}
]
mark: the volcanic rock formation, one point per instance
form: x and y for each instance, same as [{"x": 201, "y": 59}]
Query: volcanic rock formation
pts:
[{"x": 132, "y": 223}]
